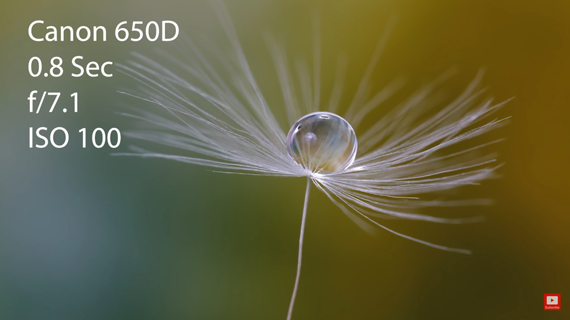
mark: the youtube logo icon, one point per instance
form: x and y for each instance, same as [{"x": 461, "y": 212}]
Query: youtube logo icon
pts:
[{"x": 552, "y": 301}]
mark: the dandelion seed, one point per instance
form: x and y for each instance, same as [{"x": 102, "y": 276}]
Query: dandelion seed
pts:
[{"x": 386, "y": 173}]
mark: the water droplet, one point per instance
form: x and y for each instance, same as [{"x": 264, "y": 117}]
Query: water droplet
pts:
[{"x": 322, "y": 142}]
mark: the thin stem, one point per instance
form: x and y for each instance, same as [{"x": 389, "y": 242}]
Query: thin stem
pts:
[{"x": 300, "y": 257}]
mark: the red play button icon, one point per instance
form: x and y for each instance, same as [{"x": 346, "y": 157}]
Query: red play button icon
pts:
[{"x": 552, "y": 301}]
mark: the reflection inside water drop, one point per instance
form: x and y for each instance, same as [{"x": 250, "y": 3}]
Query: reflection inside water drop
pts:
[{"x": 322, "y": 142}]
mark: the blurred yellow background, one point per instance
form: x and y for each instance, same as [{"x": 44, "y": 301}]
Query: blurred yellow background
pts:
[{"x": 84, "y": 235}]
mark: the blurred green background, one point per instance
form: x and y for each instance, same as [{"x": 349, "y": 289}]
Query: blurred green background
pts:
[{"x": 84, "y": 235}]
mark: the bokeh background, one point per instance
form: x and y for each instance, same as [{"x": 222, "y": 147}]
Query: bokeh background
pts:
[{"x": 84, "y": 235}]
